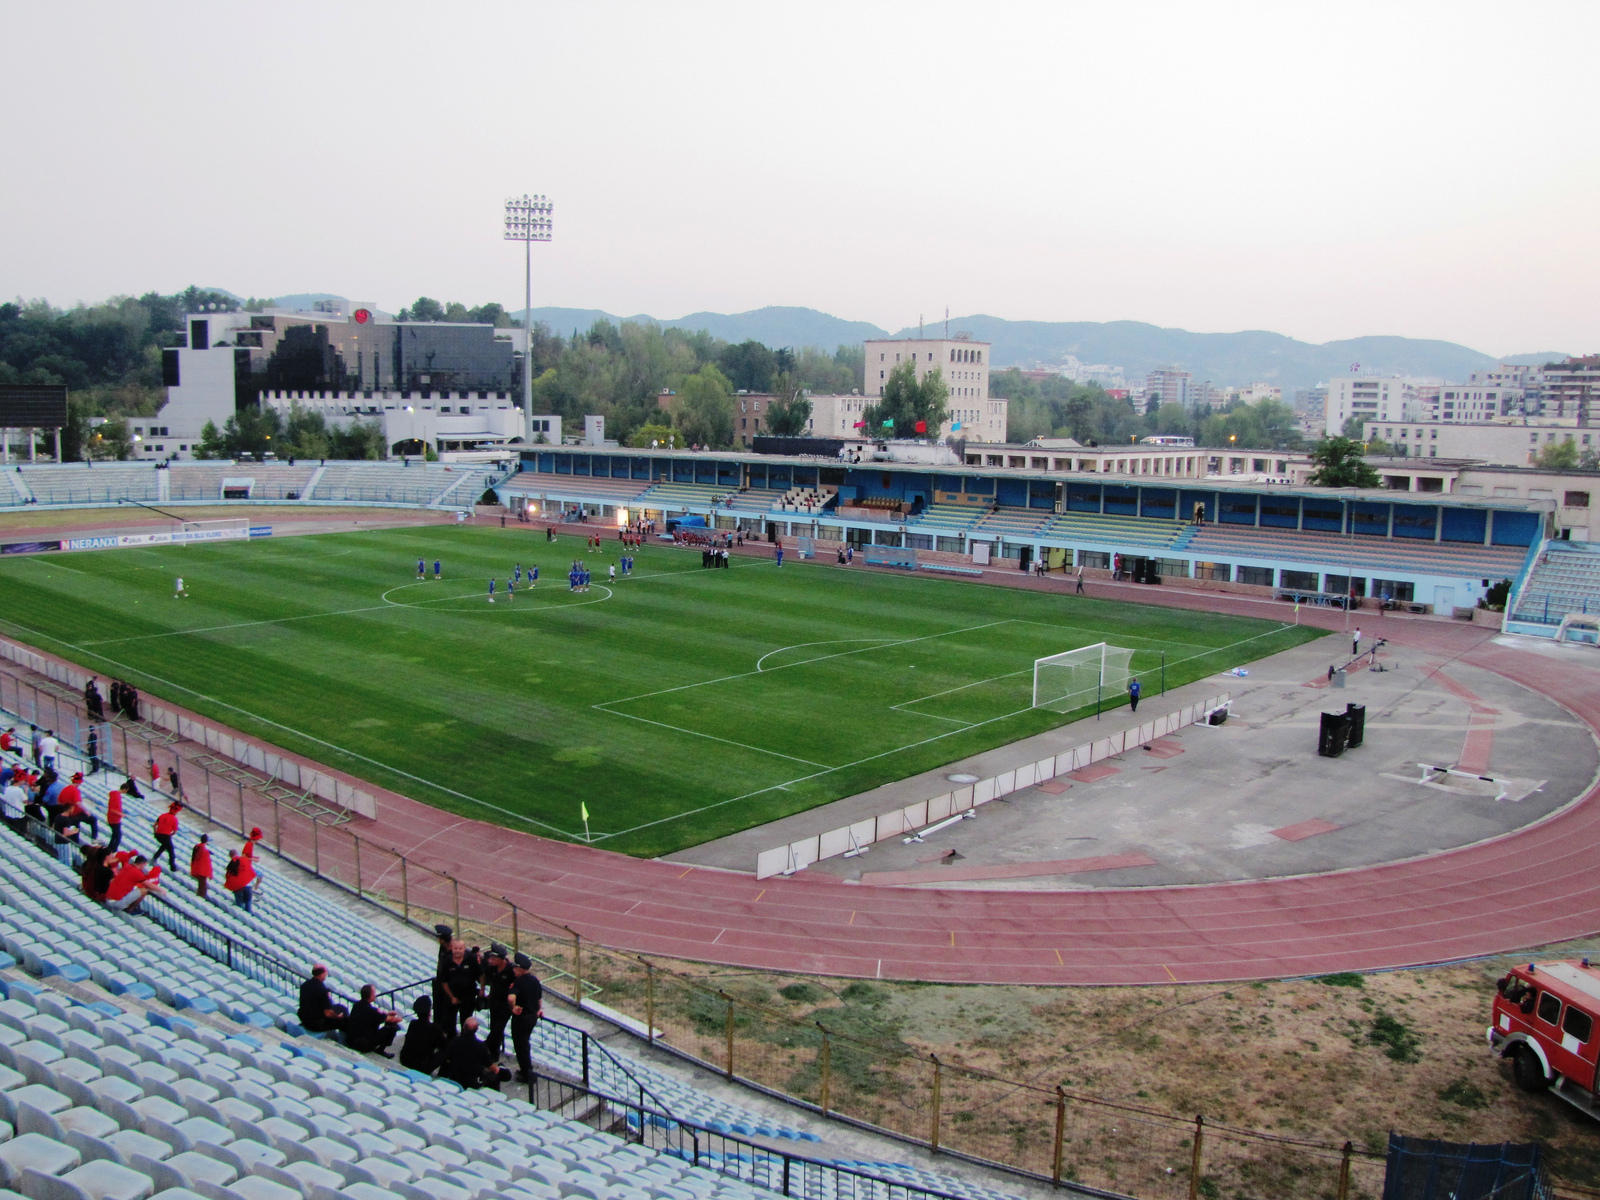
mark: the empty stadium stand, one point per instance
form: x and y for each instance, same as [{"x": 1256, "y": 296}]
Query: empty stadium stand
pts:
[
  {"x": 154, "y": 1056},
  {"x": 1565, "y": 580}
]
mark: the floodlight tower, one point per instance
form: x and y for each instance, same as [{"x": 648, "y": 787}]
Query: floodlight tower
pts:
[{"x": 528, "y": 221}]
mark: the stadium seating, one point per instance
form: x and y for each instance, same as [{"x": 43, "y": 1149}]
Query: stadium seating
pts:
[
  {"x": 202, "y": 481},
  {"x": 383, "y": 483},
  {"x": 80, "y": 483},
  {"x": 680, "y": 497},
  {"x": 590, "y": 489},
  {"x": 177, "y": 1079},
  {"x": 1565, "y": 580},
  {"x": 1359, "y": 554}
]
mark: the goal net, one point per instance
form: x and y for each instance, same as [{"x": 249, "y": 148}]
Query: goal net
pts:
[{"x": 1063, "y": 682}]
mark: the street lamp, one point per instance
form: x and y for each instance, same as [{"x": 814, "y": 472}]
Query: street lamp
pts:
[{"x": 528, "y": 221}]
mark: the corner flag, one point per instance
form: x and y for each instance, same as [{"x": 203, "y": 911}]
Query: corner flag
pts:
[{"x": 583, "y": 811}]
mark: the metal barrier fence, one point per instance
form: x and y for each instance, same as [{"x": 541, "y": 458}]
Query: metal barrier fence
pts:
[{"x": 1047, "y": 1133}]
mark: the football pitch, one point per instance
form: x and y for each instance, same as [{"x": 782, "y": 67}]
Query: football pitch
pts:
[{"x": 678, "y": 705}]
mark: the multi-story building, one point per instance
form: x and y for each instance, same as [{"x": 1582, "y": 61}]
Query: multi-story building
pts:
[
  {"x": 1466, "y": 403},
  {"x": 1254, "y": 393},
  {"x": 1168, "y": 385},
  {"x": 1572, "y": 389},
  {"x": 435, "y": 382},
  {"x": 1513, "y": 443},
  {"x": 963, "y": 362},
  {"x": 1369, "y": 398}
]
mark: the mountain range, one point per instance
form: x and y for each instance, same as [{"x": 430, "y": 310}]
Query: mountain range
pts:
[{"x": 1224, "y": 359}]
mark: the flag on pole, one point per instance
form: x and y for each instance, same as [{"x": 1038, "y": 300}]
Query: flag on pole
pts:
[
  {"x": 955, "y": 425},
  {"x": 888, "y": 422},
  {"x": 583, "y": 810},
  {"x": 922, "y": 427},
  {"x": 860, "y": 425}
]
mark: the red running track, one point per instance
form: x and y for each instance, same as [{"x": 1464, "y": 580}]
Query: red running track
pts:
[{"x": 1535, "y": 886}]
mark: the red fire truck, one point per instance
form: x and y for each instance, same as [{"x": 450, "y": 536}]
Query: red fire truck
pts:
[{"x": 1545, "y": 1023}]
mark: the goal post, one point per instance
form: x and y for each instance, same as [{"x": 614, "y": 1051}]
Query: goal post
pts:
[{"x": 1075, "y": 678}]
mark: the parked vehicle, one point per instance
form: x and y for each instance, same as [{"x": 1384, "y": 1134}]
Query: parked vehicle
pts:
[{"x": 1545, "y": 1022}]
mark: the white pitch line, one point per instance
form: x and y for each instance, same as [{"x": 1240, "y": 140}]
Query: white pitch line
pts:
[
  {"x": 714, "y": 738},
  {"x": 683, "y": 687},
  {"x": 784, "y": 785}
]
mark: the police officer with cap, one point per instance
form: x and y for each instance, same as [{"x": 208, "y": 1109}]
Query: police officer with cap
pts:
[
  {"x": 527, "y": 999},
  {"x": 497, "y": 980}
]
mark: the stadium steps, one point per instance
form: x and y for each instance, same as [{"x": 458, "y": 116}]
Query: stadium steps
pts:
[
  {"x": 83, "y": 1072},
  {"x": 472, "y": 484},
  {"x": 1565, "y": 580},
  {"x": 15, "y": 486},
  {"x": 310, "y": 488}
]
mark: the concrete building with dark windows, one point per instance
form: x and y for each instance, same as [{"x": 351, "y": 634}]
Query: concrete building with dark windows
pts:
[{"x": 451, "y": 386}]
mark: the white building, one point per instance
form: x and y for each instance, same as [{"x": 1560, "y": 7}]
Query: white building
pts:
[
  {"x": 1371, "y": 398},
  {"x": 1502, "y": 443},
  {"x": 963, "y": 362}
]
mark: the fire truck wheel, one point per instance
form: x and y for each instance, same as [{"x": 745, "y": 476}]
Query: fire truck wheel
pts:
[{"x": 1529, "y": 1074}]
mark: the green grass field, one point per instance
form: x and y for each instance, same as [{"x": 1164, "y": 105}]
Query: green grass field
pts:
[{"x": 680, "y": 705}]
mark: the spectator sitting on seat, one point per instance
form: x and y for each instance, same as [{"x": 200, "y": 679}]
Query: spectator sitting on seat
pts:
[
  {"x": 134, "y": 879},
  {"x": 466, "y": 1060},
  {"x": 317, "y": 1012},
  {"x": 368, "y": 1028},
  {"x": 423, "y": 1049},
  {"x": 95, "y": 875},
  {"x": 12, "y": 801},
  {"x": 70, "y": 807}
]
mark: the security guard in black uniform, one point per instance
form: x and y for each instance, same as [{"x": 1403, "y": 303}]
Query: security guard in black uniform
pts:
[
  {"x": 497, "y": 980},
  {"x": 527, "y": 1006}
]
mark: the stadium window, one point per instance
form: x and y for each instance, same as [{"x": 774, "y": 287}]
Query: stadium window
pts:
[{"x": 1256, "y": 576}]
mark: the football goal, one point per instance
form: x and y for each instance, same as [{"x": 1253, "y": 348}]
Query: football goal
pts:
[{"x": 1062, "y": 682}]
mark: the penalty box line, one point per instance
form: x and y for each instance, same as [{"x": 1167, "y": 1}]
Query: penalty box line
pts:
[{"x": 787, "y": 783}]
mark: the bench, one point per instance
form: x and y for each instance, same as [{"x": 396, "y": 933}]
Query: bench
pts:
[{"x": 949, "y": 570}]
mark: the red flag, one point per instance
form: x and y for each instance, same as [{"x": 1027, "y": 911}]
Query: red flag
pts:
[
  {"x": 922, "y": 427},
  {"x": 861, "y": 425}
]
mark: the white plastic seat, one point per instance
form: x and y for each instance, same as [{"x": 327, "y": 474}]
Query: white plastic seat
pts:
[
  {"x": 131, "y": 1142},
  {"x": 33, "y": 1151},
  {"x": 103, "y": 1179}
]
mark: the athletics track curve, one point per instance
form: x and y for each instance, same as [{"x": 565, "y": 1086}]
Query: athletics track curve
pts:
[{"x": 1534, "y": 886}]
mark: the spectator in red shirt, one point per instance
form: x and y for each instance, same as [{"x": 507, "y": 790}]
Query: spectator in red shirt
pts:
[
  {"x": 114, "y": 819},
  {"x": 70, "y": 807},
  {"x": 200, "y": 864},
  {"x": 166, "y": 829},
  {"x": 239, "y": 878},
  {"x": 131, "y": 883}
]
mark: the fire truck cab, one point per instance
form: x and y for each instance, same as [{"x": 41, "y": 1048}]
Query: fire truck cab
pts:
[{"x": 1545, "y": 1022}]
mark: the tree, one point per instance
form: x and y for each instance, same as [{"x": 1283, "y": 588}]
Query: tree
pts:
[
  {"x": 210, "y": 444},
  {"x": 1557, "y": 456},
  {"x": 787, "y": 415},
  {"x": 703, "y": 409},
  {"x": 492, "y": 313},
  {"x": 906, "y": 402},
  {"x": 1339, "y": 464},
  {"x": 749, "y": 366},
  {"x": 457, "y": 313},
  {"x": 425, "y": 309},
  {"x": 647, "y": 436}
]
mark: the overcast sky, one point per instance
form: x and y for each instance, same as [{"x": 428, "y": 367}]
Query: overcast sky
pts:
[{"x": 1321, "y": 170}]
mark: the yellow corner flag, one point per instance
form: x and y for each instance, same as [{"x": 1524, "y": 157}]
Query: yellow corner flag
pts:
[{"x": 583, "y": 810}]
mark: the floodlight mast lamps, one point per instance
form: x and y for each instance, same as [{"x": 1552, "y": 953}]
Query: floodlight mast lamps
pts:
[{"x": 528, "y": 221}]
